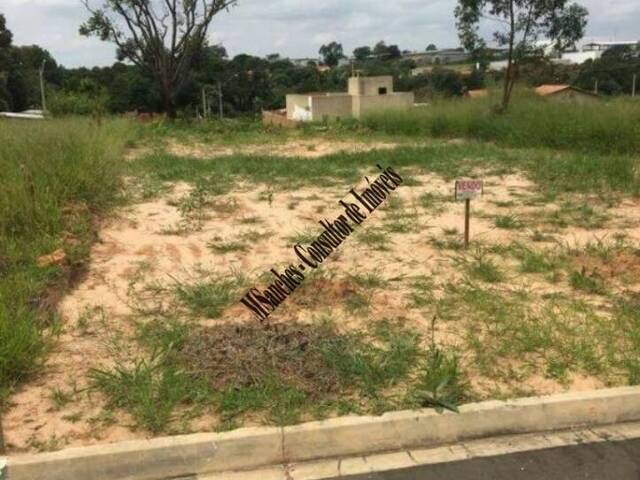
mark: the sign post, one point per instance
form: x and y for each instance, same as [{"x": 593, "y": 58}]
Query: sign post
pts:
[{"x": 467, "y": 190}]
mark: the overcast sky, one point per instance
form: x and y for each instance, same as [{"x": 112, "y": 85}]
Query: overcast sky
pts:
[{"x": 294, "y": 28}]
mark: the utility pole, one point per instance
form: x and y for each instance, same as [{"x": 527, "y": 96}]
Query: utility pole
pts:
[
  {"x": 204, "y": 103},
  {"x": 44, "y": 103},
  {"x": 596, "y": 88},
  {"x": 633, "y": 87},
  {"x": 220, "y": 100}
]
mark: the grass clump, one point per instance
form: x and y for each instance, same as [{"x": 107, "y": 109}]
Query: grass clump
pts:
[
  {"x": 536, "y": 262},
  {"x": 441, "y": 384},
  {"x": 508, "y": 222},
  {"x": 587, "y": 282},
  {"x": 373, "y": 238},
  {"x": 148, "y": 389},
  {"x": 209, "y": 297}
]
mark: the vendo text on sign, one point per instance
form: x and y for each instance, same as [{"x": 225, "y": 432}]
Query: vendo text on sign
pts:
[{"x": 468, "y": 189}]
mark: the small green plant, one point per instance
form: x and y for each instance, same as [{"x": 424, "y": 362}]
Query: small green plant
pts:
[
  {"x": 303, "y": 237},
  {"x": 219, "y": 246},
  {"x": 209, "y": 297},
  {"x": 60, "y": 398},
  {"x": 587, "y": 282},
  {"x": 148, "y": 388},
  {"x": 535, "y": 262},
  {"x": 357, "y": 302},
  {"x": 508, "y": 222},
  {"x": 485, "y": 270},
  {"x": 376, "y": 239},
  {"x": 370, "y": 280},
  {"x": 440, "y": 383},
  {"x": 421, "y": 294}
]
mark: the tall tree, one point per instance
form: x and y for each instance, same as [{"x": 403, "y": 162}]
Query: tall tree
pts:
[
  {"x": 362, "y": 53},
  {"x": 386, "y": 52},
  {"x": 162, "y": 36},
  {"x": 332, "y": 53},
  {"x": 431, "y": 47},
  {"x": 5, "y": 44},
  {"x": 523, "y": 23}
]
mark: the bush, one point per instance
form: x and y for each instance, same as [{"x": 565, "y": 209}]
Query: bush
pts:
[{"x": 76, "y": 103}]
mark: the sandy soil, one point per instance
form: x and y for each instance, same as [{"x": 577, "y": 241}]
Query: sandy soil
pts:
[
  {"x": 292, "y": 148},
  {"x": 134, "y": 249}
]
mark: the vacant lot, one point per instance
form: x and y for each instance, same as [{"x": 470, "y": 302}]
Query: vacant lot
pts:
[{"x": 153, "y": 338}]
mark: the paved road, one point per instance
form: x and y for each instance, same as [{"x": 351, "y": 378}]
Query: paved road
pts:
[{"x": 597, "y": 461}]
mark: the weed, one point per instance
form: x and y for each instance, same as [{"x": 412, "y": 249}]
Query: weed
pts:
[
  {"x": 72, "y": 417},
  {"x": 440, "y": 383},
  {"x": 485, "y": 270},
  {"x": 480, "y": 267},
  {"x": 357, "y": 302},
  {"x": 209, "y": 297},
  {"x": 587, "y": 282},
  {"x": 227, "y": 247},
  {"x": 60, "y": 398},
  {"x": 421, "y": 292},
  {"x": 253, "y": 236},
  {"x": 375, "y": 239},
  {"x": 370, "y": 280},
  {"x": 536, "y": 262},
  {"x": 508, "y": 222},
  {"x": 303, "y": 238},
  {"x": 148, "y": 389}
]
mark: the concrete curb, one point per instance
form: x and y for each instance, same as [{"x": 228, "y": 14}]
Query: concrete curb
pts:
[{"x": 189, "y": 455}]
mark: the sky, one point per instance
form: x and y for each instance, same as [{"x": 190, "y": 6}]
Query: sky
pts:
[{"x": 293, "y": 28}]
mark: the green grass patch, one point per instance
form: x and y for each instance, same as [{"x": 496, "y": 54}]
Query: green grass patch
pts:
[
  {"x": 56, "y": 177},
  {"x": 609, "y": 126},
  {"x": 209, "y": 297}
]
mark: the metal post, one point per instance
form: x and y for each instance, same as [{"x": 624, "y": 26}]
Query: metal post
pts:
[
  {"x": 204, "y": 103},
  {"x": 220, "y": 100},
  {"x": 44, "y": 103},
  {"x": 633, "y": 88},
  {"x": 467, "y": 214}
]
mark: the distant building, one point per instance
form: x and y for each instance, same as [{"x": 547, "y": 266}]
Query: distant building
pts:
[
  {"x": 591, "y": 51},
  {"x": 566, "y": 93},
  {"x": 365, "y": 94},
  {"x": 303, "y": 62},
  {"x": 438, "y": 57},
  {"x": 604, "y": 46}
]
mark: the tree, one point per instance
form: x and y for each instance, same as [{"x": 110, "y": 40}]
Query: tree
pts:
[
  {"x": 332, "y": 53},
  {"x": 161, "y": 36},
  {"x": 5, "y": 44},
  {"x": 524, "y": 22},
  {"x": 386, "y": 52},
  {"x": 362, "y": 53},
  {"x": 431, "y": 47}
]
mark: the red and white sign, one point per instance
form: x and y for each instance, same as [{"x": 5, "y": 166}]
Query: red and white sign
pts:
[{"x": 468, "y": 189}]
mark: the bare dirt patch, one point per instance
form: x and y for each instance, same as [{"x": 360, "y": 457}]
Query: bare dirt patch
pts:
[{"x": 293, "y": 148}]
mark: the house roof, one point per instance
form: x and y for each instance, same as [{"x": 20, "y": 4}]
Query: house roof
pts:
[{"x": 546, "y": 90}]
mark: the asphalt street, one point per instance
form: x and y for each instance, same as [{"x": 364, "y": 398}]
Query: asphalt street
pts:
[{"x": 598, "y": 461}]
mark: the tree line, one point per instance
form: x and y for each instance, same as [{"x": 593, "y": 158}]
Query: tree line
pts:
[{"x": 164, "y": 62}]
